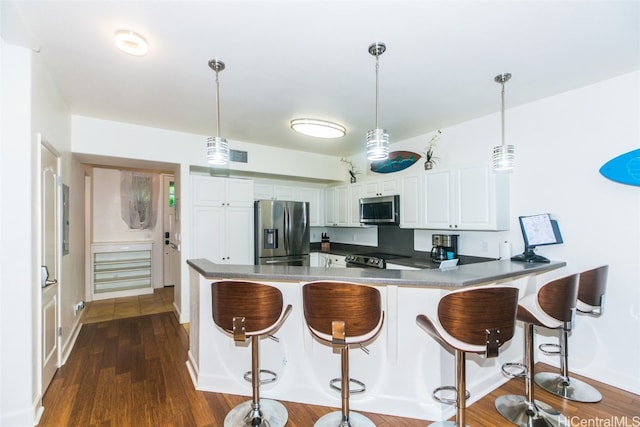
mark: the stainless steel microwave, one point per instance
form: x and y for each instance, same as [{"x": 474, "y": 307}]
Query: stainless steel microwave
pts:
[{"x": 384, "y": 210}]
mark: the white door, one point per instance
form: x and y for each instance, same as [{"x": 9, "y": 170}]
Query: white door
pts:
[
  {"x": 50, "y": 254},
  {"x": 171, "y": 261}
]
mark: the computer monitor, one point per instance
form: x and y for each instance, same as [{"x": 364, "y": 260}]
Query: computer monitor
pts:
[{"x": 537, "y": 230}]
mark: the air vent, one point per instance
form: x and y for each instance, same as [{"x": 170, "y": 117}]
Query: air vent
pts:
[{"x": 238, "y": 156}]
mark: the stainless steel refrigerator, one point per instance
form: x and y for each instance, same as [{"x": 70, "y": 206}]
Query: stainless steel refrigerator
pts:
[{"x": 282, "y": 232}]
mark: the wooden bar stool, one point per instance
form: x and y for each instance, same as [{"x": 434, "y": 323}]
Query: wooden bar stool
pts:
[
  {"x": 342, "y": 314},
  {"x": 552, "y": 306},
  {"x": 591, "y": 289},
  {"x": 250, "y": 310},
  {"x": 478, "y": 320}
]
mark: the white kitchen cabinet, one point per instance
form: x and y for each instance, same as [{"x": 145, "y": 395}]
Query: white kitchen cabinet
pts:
[
  {"x": 411, "y": 201},
  {"x": 214, "y": 191},
  {"x": 223, "y": 235},
  {"x": 466, "y": 198},
  {"x": 337, "y": 206},
  {"x": 262, "y": 191},
  {"x": 336, "y": 261},
  {"x": 315, "y": 198},
  {"x": 381, "y": 187},
  {"x": 222, "y": 220}
]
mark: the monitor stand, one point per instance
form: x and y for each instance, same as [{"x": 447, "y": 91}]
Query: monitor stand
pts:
[{"x": 529, "y": 256}]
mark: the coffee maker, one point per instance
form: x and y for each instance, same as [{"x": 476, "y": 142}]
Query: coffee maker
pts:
[{"x": 445, "y": 246}]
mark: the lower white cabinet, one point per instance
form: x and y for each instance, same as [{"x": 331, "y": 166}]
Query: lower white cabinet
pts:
[
  {"x": 223, "y": 235},
  {"x": 121, "y": 269}
]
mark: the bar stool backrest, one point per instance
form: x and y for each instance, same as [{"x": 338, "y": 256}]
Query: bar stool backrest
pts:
[
  {"x": 593, "y": 285},
  {"x": 260, "y": 305},
  {"x": 358, "y": 306},
  {"x": 469, "y": 314},
  {"x": 558, "y": 298}
]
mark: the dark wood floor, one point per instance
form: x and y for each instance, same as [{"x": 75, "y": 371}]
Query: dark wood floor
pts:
[{"x": 132, "y": 372}]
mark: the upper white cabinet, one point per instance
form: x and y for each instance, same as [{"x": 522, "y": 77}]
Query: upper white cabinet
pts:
[
  {"x": 316, "y": 206},
  {"x": 214, "y": 191},
  {"x": 381, "y": 187},
  {"x": 466, "y": 198},
  {"x": 356, "y": 192},
  {"x": 222, "y": 219},
  {"x": 411, "y": 201},
  {"x": 337, "y": 206}
]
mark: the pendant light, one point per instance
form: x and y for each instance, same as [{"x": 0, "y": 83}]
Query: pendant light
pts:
[
  {"x": 217, "y": 148},
  {"x": 377, "y": 139},
  {"x": 504, "y": 156}
]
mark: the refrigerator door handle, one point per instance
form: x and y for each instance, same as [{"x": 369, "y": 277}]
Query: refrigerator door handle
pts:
[{"x": 287, "y": 229}]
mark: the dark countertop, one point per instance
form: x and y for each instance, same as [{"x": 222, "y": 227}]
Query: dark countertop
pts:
[
  {"x": 463, "y": 275},
  {"x": 415, "y": 259}
]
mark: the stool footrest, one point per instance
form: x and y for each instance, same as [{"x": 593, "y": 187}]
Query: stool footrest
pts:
[
  {"x": 336, "y": 384},
  {"x": 445, "y": 400},
  {"x": 272, "y": 376},
  {"x": 515, "y": 370},
  {"x": 550, "y": 348}
]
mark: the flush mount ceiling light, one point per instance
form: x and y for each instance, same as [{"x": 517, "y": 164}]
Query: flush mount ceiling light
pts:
[
  {"x": 318, "y": 128},
  {"x": 217, "y": 148},
  {"x": 377, "y": 139},
  {"x": 504, "y": 156},
  {"x": 131, "y": 42}
]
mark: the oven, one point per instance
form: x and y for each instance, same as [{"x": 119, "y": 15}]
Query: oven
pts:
[{"x": 370, "y": 260}]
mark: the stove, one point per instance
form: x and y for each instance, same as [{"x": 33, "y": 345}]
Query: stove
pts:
[{"x": 370, "y": 260}]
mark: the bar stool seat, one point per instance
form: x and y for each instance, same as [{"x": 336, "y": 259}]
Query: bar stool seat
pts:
[
  {"x": 591, "y": 291},
  {"x": 478, "y": 320},
  {"x": 552, "y": 306},
  {"x": 251, "y": 310},
  {"x": 343, "y": 314}
]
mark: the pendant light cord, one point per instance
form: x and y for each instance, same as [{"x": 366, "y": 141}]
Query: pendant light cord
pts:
[
  {"x": 377, "y": 85},
  {"x": 503, "y": 113},
  {"x": 218, "y": 105}
]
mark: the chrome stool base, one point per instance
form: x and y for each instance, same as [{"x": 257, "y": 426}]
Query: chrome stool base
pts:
[
  {"x": 568, "y": 388},
  {"x": 516, "y": 409},
  {"x": 334, "y": 419},
  {"x": 270, "y": 414}
]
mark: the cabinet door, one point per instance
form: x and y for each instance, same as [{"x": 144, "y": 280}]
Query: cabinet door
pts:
[
  {"x": 382, "y": 187},
  {"x": 356, "y": 192},
  {"x": 316, "y": 206},
  {"x": 239, "y": 192},
  {"x": 481, "y": 199},
  {"x": 438, "y": 200},
  {"x": 262, "y": 192},
  {"x": 330, "y": 206},
  {"x": 342, "y": 202},
  {"x": 282, "y": 192},
  {"x": 239, "y": 236},
  {"x": 410, "y": 202},
  {"x": 207, "y": 191},
  {"x": 208, "y": 231}
]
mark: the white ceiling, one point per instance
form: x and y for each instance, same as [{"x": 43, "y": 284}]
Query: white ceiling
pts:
[{"x": 310, "y": 59}]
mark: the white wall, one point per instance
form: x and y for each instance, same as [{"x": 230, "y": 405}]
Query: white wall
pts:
[
  {"x": 18, "y": 376},
  {"x": 108, "y": 225},
  {"x": 561, "y": 142}
]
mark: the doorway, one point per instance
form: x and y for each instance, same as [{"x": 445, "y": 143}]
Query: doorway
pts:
[{"x": 171, "y": 238}]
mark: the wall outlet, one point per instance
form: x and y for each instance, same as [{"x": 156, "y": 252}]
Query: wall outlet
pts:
[
  {"x": 485, "y": 246},
  {"x": 77, "y": 307}
]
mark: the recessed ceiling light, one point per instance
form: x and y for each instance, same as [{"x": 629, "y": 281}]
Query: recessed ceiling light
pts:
[
  {"x": 131, "y": 42},
  {"x": 318, "y": 128}
]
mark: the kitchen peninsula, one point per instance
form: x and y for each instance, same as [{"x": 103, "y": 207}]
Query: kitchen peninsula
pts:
[{"x": 403, "y": 365}]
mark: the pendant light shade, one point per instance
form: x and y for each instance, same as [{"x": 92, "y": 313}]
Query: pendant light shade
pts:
[
  {"x": 217, "y": 148},
  {"x": 504, "y": 155},
  {"x": 377, "y": 139}
]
